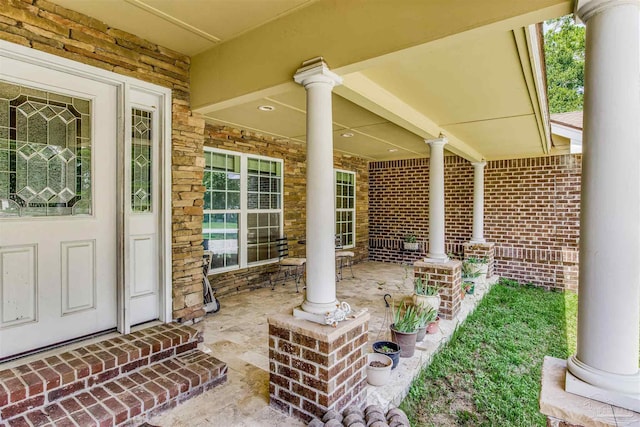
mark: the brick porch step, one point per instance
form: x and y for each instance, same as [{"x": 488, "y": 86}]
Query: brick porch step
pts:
[{"x": 116, "y": 381}]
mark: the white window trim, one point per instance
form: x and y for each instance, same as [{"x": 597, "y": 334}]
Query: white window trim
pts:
[
  {"x": 335, "y": 181},
  {"x": 244, "y": 209}
]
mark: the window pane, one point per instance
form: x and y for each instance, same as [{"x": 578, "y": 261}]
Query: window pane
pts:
[
  {"x": 45, "y": 153},
  {"x": 218, "y": 201},
  {"x": 218, "y": 181},
  {"x": 233, "y": 200},
  {"x": 345, "y": 204},
  {"x": 233, "y": 181},
  {"x": 141, "y": 160}
]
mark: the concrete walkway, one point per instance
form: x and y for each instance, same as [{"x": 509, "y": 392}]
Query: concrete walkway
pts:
[{"x": 238, "y": 335}]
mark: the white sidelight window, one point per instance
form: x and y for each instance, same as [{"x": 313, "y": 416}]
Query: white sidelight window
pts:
[
  {"x": 242, "y": 209},
  {"x": 346, "y": 207}
]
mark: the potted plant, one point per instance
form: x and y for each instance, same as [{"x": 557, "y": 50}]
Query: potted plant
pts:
[
  {"x": 404, "y": 329},
  {"x": 468, "y": 287},
  {"x": 478, "y": 265},
  {"x": 378, "y": 369},
  {"x": 390, "y": 349},
  {"x": 470, "y": 272},
  {"x": 425, "y": 295},
  {"x": 433, "y": 326},
  {"x": 426, "y": 315},
  {"x": 411, "y": 242}
]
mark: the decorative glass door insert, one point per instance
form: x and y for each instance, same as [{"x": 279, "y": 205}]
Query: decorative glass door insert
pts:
[
  {"x": 141, "y": 161},
  {"x": 45, "y": 153}
]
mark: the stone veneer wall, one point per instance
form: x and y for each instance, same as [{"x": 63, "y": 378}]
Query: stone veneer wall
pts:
[
  {"x": 47, "y": 27},
  {"x": 294, "y": 155},
  {"x": 532, "y": 209}
]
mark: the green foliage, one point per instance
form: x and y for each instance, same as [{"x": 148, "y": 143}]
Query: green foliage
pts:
[
  {"x": 410, "y": 238},
  {"x": 420, "y": 287},
  {"x": 425, "y": 316},
  {"x": 469, "y": 270},
  {"x": 489, "y": 372},
  {"x": 564, "y": 43},
  {"x": 405, "y": 318}
]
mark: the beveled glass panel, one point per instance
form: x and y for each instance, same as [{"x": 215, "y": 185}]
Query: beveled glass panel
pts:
[
  {"x": 141, "y": 161},
  {"x": 45, "y": 153}
]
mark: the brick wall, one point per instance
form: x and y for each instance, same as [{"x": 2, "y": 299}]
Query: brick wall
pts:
[
  {"x": 532, "y": 211},
  {"x": 294, "y": 155},
  {"x": 48, "y": 27}
]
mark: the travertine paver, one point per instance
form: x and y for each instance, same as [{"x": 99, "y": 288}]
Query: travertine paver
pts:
[{"x": 238, "y": 336}]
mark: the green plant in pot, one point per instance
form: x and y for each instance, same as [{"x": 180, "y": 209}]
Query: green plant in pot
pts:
[
  {"x": 410, "y": 242},
  {"x": 404, "y": 329},
  {"x": 469, "y": 271},
  {"x": 425, "y": 295},
  {"x": 388, "y": 348},
  {"x": 426, "y": 315},
  {"x": 477, "y": 265}
]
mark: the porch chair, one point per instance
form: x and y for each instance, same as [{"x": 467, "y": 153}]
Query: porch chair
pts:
[
  {"x": 288, "y": 267},
  {"x": 343, "y": 258}
]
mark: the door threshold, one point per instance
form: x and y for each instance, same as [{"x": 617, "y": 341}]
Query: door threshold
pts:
[{"x": 54, "y": 349}]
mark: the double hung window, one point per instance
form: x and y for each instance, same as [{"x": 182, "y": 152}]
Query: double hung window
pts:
[
  {"x": 242, "y": 208},
  {"x": 346, "y": 207}
]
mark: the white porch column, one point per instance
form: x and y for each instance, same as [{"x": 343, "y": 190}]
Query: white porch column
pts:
[
  {"x": 606, "y": 361},
  {"x": 319, "y": 81},
  {"x": 477, "y": 235},
  {"x": 436, "y": 201}
]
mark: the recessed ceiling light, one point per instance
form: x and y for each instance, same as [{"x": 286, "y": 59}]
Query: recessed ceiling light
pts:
[
  {"x": 392, "y": 150},
  {"x": 346, "y": 135},
  {"x": 266, "y": 108}
]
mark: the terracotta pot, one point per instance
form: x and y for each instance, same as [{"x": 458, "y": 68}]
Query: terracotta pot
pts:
[
  {"x": 378, "y": 375},
  {"x": 434, "y": 326},
  {"x": 406, "y": 341}
]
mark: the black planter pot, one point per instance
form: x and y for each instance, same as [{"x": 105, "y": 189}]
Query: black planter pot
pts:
[{"x": 395, "y": 355}]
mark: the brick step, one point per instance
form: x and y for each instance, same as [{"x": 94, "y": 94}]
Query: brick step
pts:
[
  {"x": 52, "y": 378},
  {"x": 132, "y": 398}
]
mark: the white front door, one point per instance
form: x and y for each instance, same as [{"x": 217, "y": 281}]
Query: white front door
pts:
[{"x": 58, "y": 207}]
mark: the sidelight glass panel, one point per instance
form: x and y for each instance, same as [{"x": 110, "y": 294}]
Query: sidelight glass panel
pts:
[
  {"x": 45, "y": 153},
  {"x": 141, "y": 161}
]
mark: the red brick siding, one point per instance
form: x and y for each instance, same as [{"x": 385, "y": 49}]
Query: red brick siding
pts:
[{"x": 532, "y": 209}]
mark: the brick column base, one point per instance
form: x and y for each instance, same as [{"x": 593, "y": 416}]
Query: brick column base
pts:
[
  {"x": 315, "y": 368},
  {"x": 446, "y": 276},
  {"x": 481, "y": 250}
]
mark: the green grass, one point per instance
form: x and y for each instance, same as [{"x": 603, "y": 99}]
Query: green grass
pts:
[{"x": 489, "y": 373}]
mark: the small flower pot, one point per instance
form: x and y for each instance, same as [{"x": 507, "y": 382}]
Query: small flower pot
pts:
[
  {"x": 433, "y": 327},
  {"x": 406, "y": 340},
  {"x": 411, "y": 246},
  {"x": 422, "y": 332},
  {"x": 469, "y": 288},
  {"x": 390, "y": 349},
  {"x": 378, "y": 369}
]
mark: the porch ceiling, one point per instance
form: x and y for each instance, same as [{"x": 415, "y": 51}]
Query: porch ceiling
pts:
[{"x": 411, "y": 70}]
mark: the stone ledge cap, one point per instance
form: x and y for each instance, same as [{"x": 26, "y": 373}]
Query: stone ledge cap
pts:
[
  {"x": 324, "y": 333},
  {"x": 449, "y": 265}
]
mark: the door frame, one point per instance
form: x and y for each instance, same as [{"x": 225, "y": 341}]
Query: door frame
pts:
[{"x": 124, "y": 85}]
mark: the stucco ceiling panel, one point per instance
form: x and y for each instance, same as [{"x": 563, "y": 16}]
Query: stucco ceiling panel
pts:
[
  {"x": 282, "y": 121},
  {"x": 502, "y": 138},
  {"x": 461, "y": 82}
]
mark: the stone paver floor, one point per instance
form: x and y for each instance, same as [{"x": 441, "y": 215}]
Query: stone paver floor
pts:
[{"x": 238, "y": 335}]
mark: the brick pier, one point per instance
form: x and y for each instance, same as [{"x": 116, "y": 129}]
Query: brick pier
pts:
[{"x": 314, "y": 368}]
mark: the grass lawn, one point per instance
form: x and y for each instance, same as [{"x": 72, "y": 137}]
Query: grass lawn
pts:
[{"x": 489, "y": 373}]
